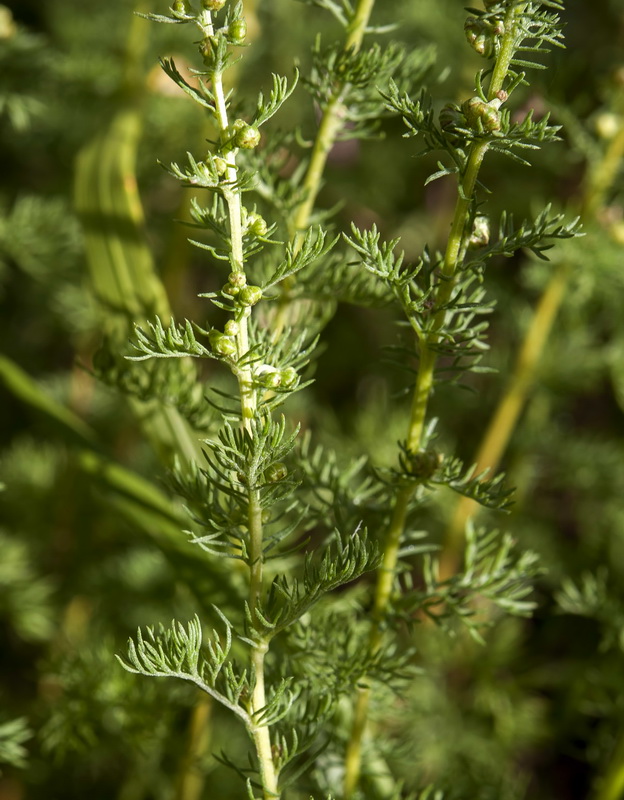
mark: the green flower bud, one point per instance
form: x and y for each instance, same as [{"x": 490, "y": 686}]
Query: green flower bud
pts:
[
  {"x": 231, "y": 328},
  {"x": 213, "y": 5},
  {"x": 250, "y": 295},
  {"x": 244, "y": 135},
  {"x": 237, "y": 279},
  {"x": 229, "y": 290},
  {"x": 237, "y": 31},
  {"x": 276, "y": 472},
  {"x": 221, "y": 344},
  {"x": 289, "y": 377},
  {"x": 477, "y": 111},
  {"x": 482, "y": 35},
  {"x": 220, "y": 165},
  {"x": 265, "y": 516},
  {"x": 256, "y": 224},
  {"x": 491, "y": 119},
  {"x": 179, "y": 9},
  {"x": 267, "y": 376},
  {"x": 478, "y": 35},
  {"x": 205, "y": 50},
  {"x": 270, "y": 380}
]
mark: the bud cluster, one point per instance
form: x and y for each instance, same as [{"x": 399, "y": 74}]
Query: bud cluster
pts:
[
  {"x": 272, "y": 378},
  {"x": 483, "y": 35},
  {"x": 237, "y": 288}
]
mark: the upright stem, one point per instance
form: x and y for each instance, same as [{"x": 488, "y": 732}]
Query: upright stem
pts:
[
  {"x": 505, "y": 419},
  {"x": 422, "y": 392},
  {"x": 192, "y": 777},
  {"x": 259, "y": 731},
  {"x": 329, "y": 127},
  {"x": 508, "y": 411}
]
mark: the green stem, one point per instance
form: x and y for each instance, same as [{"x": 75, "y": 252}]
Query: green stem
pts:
[
  {"x": 329, "y": 127},
  {"x": 508, "y": 47},
  {"x": 508, "y": 411},
  {"x": 259, "y": 732},
  {"x": 422, "y": 392},
  {"x": 505, "y": 419},
  {"x": 192, "y": 778}
]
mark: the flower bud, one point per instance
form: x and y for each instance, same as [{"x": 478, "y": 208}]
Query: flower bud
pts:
[
  {"x": 479, "y": 35},
  {"x": 478, "y": 111},
  {"x": 276, "y": 472},
  {"x": 238, "y": 279},
  {"x": 179, "y": 9},
  {"x": 480, "y": 235},
  {"x": 237, "y": 31},
  {"x": 229, "y": 290},
  {"x": 289, "y": 377},
  {"x": 244, "y": 135},
  {"x": 213, "y": 5},
  {"x": 205, "y": 50},
  {"x": 221, "y": 344},
  {"x": 270, "y": 380},
  {"x": 482, "y": 35},
  {"x": 220, "y": 165},
  {"x": 267, "y": 376},
  {"x": 231, "y": 328},
  {"x": 424, "y": 464},
  {"x": 256, "y": 224},
  {"x": 250, "y": 295}
]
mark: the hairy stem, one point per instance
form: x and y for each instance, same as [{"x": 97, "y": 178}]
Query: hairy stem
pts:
[
  {"x": 422, "y": 392},
  {"x": 259, "y": 732}
]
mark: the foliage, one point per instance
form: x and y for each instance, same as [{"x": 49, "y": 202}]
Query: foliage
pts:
[{"x": 253, "y": 421}]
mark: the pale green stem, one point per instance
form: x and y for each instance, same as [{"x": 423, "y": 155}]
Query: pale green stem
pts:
[
  {"x": 191, "y": 782},
  {"x": 422, "y": 393},
  {"x": 505, "y": 419},
  {"x": 329, "y": 127},
  {"x": 259, "y": 732}
]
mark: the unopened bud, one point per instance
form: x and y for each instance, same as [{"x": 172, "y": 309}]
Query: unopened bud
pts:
[
  {"x": 480, "y": 235},
  {"x": 250, "y": 295},
  {"x": 276, "y": 472},
  {"x": 245, "y": 135},
  {"x": 237, "y": 279},
  {"x": 289, "y": 377},
  {"x": 237, "y": 31},
  {"x": 221, "y": 344}
]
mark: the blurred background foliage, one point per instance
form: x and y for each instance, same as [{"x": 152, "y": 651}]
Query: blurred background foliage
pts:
[{"x": 89, "y": 538}]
